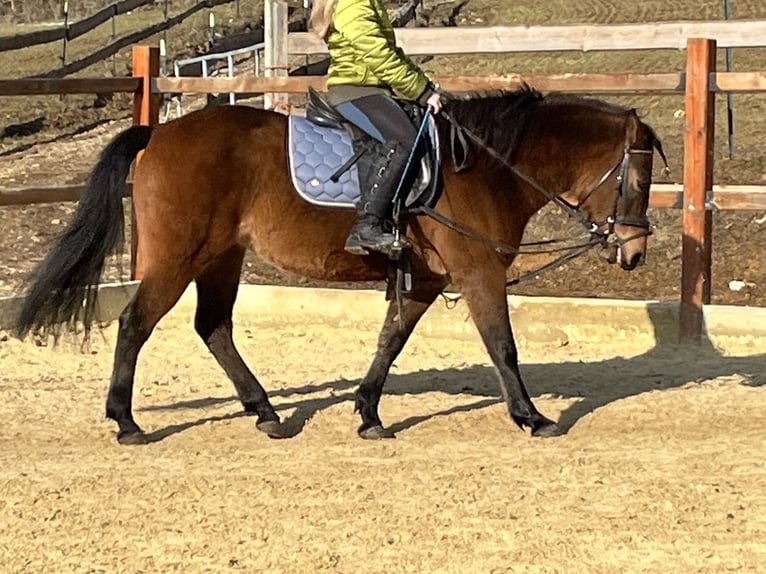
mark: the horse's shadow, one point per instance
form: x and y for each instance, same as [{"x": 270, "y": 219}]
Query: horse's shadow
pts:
[{"x": 593, "y": 384}]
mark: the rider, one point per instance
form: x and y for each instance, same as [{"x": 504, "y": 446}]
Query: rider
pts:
[{"x": 366, "y": 69}]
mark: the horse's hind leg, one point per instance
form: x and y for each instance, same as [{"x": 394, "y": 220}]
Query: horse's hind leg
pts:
[
  {"x": 216, "y": 292},
  {"x": 391, "y": 341},
  {"x": 489, "y": 310},
  {"x": 156, "y": 294}
]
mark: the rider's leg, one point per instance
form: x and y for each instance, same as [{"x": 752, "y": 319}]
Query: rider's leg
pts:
[
  {"x": 376, "y": 198},
  {"x": 384, "y": 120}
]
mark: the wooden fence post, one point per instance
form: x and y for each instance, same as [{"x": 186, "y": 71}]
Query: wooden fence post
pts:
[
  {"x": 276, "y": 49},
  {"x": 699, "y": 140},
  {"x": 146, "y": 112},
  {"x": 146, "y": 105}
]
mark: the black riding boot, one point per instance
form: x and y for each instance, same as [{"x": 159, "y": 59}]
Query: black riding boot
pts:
[{"x": 377, "y": 191}]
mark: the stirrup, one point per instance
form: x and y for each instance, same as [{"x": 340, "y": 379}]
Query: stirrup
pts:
[{"x": 398, "y": 247}]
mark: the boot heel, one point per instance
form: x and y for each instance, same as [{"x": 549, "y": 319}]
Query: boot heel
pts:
[
  {"x": 355, "y": 249},
  {"x": 355, "y": 244}
]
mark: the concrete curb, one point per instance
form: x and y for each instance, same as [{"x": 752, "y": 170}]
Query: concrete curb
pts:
[{"x": 535, "y": 319}]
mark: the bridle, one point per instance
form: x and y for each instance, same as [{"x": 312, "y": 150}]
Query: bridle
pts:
[
  {"x": 602, "y": 233},
  {"x": 602, "y": 228},
  {"x": 605, "y": 230}
]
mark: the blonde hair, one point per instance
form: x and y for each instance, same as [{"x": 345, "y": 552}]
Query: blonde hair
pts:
[{"x": 321, "y": 17}]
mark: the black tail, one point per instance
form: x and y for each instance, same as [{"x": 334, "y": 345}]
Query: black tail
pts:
[{"x": 64, "y": 286}]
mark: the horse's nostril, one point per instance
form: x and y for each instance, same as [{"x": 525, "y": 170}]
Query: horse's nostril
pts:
[{"x": 633, "y": 262}]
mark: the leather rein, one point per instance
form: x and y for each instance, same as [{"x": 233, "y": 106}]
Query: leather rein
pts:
[{"x": 601, "y": 232}]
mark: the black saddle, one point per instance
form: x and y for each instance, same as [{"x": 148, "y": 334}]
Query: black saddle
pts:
[{"x": 322, "y": 113}]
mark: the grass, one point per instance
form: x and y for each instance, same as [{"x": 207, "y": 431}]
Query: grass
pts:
[{"x": 182, "y": 40}]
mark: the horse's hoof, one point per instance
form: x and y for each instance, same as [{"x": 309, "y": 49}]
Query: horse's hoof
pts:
[
  {"x": 546, "y": 429},
  {"x": 132, "y": 438},
  {"x": 376, "y": 432},
  {"x": 272, "y": 428}
]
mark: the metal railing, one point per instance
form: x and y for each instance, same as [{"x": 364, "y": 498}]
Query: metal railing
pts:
[{"x": 210, "y": 67}]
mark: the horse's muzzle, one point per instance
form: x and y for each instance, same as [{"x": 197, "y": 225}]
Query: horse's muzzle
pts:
[
  {"x": 634, "y": 261},
  {"x": 629, "y": 254},
  {"x": 630, "y": 249}
]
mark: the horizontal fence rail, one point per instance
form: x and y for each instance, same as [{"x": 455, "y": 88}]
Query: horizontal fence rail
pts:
[
  {"x": 662, "y": 195},
  {"x": 673, "y": 82},
  {"x": 53, "y": 194},
  {"x": 471, "y": 40},
  {"x": 42, "y": 87},
  {"x": 580, "y": 38}
]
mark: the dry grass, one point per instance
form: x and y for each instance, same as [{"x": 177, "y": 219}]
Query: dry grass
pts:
[
  {"x": 35, "y": 11},
  {"x": 181, "y": 40}
]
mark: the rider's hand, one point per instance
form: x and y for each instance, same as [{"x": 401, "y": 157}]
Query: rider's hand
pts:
[{"x": 435, "y": 102}]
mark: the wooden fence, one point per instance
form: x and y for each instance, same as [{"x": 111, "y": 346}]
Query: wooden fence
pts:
[
  {"x": 69, "y": 32},
  {"x": 700, "y": 81}
]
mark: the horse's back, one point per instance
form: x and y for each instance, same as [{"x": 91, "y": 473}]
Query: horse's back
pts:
[{"x": 212, "y": 133}]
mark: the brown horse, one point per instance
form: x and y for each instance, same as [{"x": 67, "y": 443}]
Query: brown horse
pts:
[{"x": 213, "y": 183}]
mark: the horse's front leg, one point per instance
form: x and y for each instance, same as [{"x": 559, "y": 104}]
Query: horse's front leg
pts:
[
  {"x": 488, "y": 305},
  {"x": 391, "y": 341}
]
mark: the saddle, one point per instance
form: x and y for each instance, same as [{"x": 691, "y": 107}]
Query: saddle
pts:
[
  {"x": 322, "y": 113},
  {"x": 323, "y": 151}
]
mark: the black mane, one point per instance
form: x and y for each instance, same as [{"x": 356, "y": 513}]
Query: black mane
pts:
[{"x": 498, "y": 118}]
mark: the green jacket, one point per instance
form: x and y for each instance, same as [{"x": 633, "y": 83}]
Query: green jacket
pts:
[{"x": 363, "y": 51}]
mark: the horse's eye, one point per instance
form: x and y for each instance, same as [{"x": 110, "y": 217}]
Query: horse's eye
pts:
[{"x": 644, "y": 184}]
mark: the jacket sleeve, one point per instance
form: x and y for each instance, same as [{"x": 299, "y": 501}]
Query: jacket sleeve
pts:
[{"x": 357, "y": 21}]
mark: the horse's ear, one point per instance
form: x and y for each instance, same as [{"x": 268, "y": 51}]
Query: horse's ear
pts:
[{"x": 632, "y": 125}]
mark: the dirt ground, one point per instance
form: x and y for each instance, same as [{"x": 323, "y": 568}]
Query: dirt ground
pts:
[{"x": 661, "y": 468}]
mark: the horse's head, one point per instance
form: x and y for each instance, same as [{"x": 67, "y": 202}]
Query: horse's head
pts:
[
  {"x": 591, "y": 157},
  {"x": 617, "y": 202}
]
